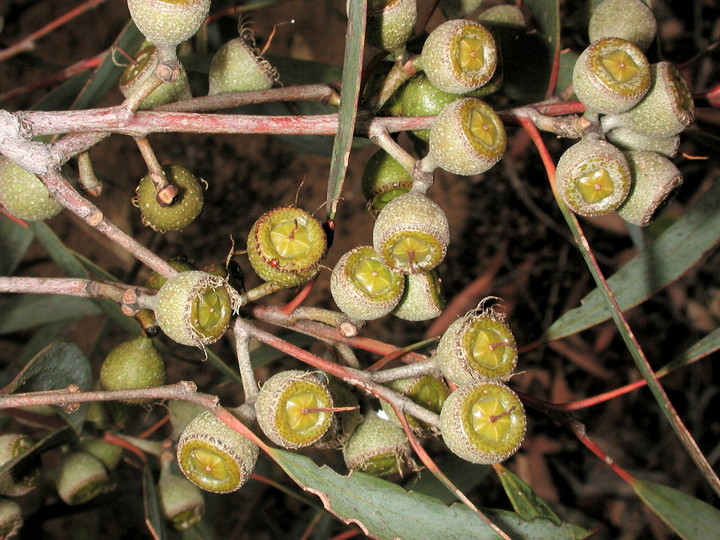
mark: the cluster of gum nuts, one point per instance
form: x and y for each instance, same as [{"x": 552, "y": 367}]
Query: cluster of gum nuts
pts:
[{"x": 641, "y": 109}]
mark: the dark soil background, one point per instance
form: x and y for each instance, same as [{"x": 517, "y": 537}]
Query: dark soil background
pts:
[{"x": 508, "y": 240}]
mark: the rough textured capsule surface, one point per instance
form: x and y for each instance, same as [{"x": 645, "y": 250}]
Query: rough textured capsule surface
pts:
[
  {"x": 459, "y": 56},
  {"x": 23, "y": 194},
  {"x": 390, "y": 23},
  {"x": 185, "y": 208},
  {"x": 238, "y": 67},
  {"x": 168, "y": 22},
  {"x": 11, "y": 520},
  {"x": 182, "y": 502},
  {"x": 194, "y": 308},
  {"x": 483, "y": 422},
  {"x": 384, "y": 179},
  {"x": 411, "y": 234},
  {"x": 286, "y": 246},
  {"x": 611, "y": 76},
  {"x": 467, "y": 138},
  {"x": 593, "y": 177},
  {"x": 81, "y": 478},
  {"x": 477, "y": 346},
  {"x": 21, "y": 479},
  {"x": 655, "y": 180},
  {"x": 290, "y": 408},
  {"x": 627, "y": 19},
  {"x": 214, "y": 456},
  {"x": 363, "y": 287},
  {"x": 666, "y": 110},
  {"x": 423, "y": 298},
  {"x": 133, "y": 364},
  {"x": 379, "y": 448}
]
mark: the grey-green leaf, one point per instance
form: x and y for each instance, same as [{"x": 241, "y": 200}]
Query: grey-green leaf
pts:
[
  {"x": 14, "y": 241},
  {"x": 677, "y": 250},
  {"x": 385, "y": 510},
  {"x": 689, "y": 517}
]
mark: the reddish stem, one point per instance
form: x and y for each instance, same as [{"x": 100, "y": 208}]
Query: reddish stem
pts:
[
  {"x": 579, "y": 431},
  {"x": 118, "y": 441},
  {"x": 293, "y": 304}
]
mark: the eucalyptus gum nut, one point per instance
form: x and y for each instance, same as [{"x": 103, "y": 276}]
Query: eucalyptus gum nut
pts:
[
  {"x": 420, "y": 97},
  {"x": 23, "y": 194},
  {"x": 655, "y": 181},
  {"x": 593, "y": 177},
  {"x": 458, "y": 9},
  {"x": 11, "y": 519},
  {"x": 81, "y": 478},
  {"x": 632, "y": 20},
  {"x": 384, "y": 179},
  {"x": 194, "y": 308},
  {"x": 483, "y": 422},
  {"x": 281, "y": 404},
  {"x": 343, "y": 423},
  {"x": 504, "y": 14},
  {"x": 379, "y": 448},
  {"x": 477, "y": 346},
  {"x": 185, "y": 208},
  {"x": 215, "y": 457},
  {"x": 133, "y": 364},
  {"x": 423, "y": 298},
  {"x": 182, "y": 502},
  {"x": 239, "y": 67},
  {"x": 286, "y": 246},
  {"x": 666, "y": 110},
  {"x": 611, "y": 76},
  {"x": 135, "y": 74},
  {"x": 363, "y": 287},
  {"x": 181, "y": 413},
  {"x": 459, "y": 56},
  {"x": 467, "y": 138},
  {"x": 427, "y": 391},
  {"x": 107, "y": 453},
  {"x": 168, "y": 22},
  {"x": 627, "y": 140},
  {"x": 390, "y": 23},
  {"x": 21, "y": 479},
  {"x": 411, "y": 234}
]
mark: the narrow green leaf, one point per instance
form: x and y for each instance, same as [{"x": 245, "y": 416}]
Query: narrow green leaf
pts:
[
  {"x": 154, "y": 517},
  {"x": 352, "y": 69},
  {"x": 528, "y": 504},
  {"x": 14, "y": 241},
  {"x": 56, "y": 367},
  {"x": 106, "y": 75},
  {"x": 39, "y": 340},
  {"x": 385, "y": 510},
  {"x": 26, "y": 311},
  {"x": 707, "y": 345},
  {"x": 58, "y": 252},
  {"x": 677, "y": 250},
  {"x": 689, "y": 517}
]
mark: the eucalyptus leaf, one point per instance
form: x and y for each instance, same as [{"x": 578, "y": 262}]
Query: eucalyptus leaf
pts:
[
  {"x": 352, "y": 69},
  {"x": 14, "y": 241},
  {"x": 689, "y": 517},
  {"x": 527, "y": 503},
  {"x": 154, "y": 517},
  {"x": 56, "y": 367},
  {"x": 22, "y": 312},
  {"x": 677, "y": 250},
  {"x": 384, "y": 510}
]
